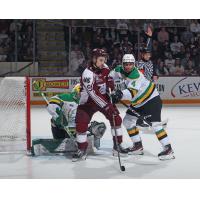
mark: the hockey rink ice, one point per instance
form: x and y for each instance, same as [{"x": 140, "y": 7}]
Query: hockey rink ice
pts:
[{"x": 183, "y": 129}]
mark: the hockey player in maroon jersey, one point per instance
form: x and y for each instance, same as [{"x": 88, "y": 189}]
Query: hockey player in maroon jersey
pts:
[{"x": 95, "y": 84}]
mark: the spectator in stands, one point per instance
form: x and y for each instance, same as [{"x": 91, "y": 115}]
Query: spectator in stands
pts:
[
  {"x": 186, "y": 36},
  {"x": 122, "y": 28},
  {"x": 195, "y": 26},
  {"x": 169, "y": 61},
  {"x": 189, "y": 70},
  {"x": 195, "y": 56},
  {"x": 77, "y": 58},
  {"x": 163, "y": 35},
  {"x": 182, "y": 53},
  {"x": 163, "y": 49},
  {"x": 176, "y": 46},
  {"x": 192, "y": 43},
  {"x": 161, "y": 69},
  {"x": 178, "y": 70},
  {"x": 126, "y": 46},
  {"x": 185, "y": 60}
]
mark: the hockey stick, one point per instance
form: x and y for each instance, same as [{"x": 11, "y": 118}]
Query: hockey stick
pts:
[
  {"x": 122, "y": 167},
  {"x": 143, "y": 118},
  {"x": 47, "y": 101}
]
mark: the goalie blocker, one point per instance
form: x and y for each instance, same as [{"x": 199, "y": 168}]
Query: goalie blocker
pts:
[{"x": 67, "y": 146}]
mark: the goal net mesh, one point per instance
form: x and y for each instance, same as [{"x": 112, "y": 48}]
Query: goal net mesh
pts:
[{"x": 12, "y": 114}]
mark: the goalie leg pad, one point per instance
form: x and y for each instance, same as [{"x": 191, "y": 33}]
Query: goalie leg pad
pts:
[
  {"x": 48, "y": 147},
  {"x": 52, "y": 146},
  {"x": 97, "y": 129}
]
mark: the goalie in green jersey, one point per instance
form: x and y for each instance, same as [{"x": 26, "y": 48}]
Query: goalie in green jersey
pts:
[{"x": 62, "y": 108}]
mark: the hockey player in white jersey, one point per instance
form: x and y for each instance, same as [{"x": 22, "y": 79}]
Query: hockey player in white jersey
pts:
[{"x": 145, "y": 100}]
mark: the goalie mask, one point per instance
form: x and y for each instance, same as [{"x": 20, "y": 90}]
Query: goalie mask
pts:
[{"x": 97, "y": 129}]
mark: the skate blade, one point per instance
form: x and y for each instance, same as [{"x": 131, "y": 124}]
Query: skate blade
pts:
[
  {"x": 79, "y": 159},
  {"x": 167, "y": 157},
  {"x": 115, "y": 154},
  {"x": 138, "y": 152}
]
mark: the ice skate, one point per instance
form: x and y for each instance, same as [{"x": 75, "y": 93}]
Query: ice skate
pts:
[
  {"x": 167, "y": 153},
  {"x": 123, "y": 152},
  {"x": 79, "y": 155},
  {"x": 137, "y": 149}
]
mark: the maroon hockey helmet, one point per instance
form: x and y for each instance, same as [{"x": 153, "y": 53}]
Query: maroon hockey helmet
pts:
[{"x": 99, "y": 52}]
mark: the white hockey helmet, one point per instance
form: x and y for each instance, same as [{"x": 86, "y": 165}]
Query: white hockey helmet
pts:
[{"x": 128, "y": 58}]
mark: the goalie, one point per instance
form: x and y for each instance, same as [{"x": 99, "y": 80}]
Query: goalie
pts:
[{"x": 62, "y": 108}]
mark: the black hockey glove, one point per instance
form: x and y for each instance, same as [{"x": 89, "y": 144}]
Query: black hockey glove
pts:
[{"x": 117, "y": 96}]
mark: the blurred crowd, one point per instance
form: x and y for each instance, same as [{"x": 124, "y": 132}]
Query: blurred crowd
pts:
[
  {"x": 175, "y": 50},
  {"x": 175, "y": 43},
  {"x": 16, "y": 40}
]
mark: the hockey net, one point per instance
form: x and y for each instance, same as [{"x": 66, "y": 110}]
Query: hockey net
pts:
[{"x": 14, "y": 114}]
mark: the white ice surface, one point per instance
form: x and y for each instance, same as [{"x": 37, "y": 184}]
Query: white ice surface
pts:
[{"x": 183, "y": 130}]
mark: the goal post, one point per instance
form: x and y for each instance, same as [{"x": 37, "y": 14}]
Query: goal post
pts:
[
  {"x": 28, "y": 113},
  {"x": 15, "y": 114}
]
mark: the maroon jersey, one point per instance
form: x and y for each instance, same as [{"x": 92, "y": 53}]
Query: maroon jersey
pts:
[{"x": 94, "y": 84}]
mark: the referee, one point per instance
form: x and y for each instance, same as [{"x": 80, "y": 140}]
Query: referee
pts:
[{"x": 145, "y": 65}]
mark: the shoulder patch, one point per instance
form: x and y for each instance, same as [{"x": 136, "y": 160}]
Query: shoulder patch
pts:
[
  {"x": 86, "y": 79},
  {"x": 133, "y": 83},
  {"x": 87, "y": 76}
]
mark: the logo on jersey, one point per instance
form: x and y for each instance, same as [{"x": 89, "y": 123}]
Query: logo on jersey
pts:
[
  {"x": 86, "y": 80},
  {"x": 133, "y": 83},
  {"x": 89, "y": 87}
]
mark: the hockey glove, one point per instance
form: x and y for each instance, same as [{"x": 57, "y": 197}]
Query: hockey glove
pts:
[
  {"x": 61, "y": 119},
  {"x": 110, "y": 110},
  {"x": 117, "y": 96},
  {"x": 110, "y": 83}
]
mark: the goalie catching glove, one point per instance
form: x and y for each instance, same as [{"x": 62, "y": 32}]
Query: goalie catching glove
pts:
[{"x": 117, "y": 96}]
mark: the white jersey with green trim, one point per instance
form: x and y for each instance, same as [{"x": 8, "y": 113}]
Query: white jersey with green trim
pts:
[{"x": 138, "y": 90}]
